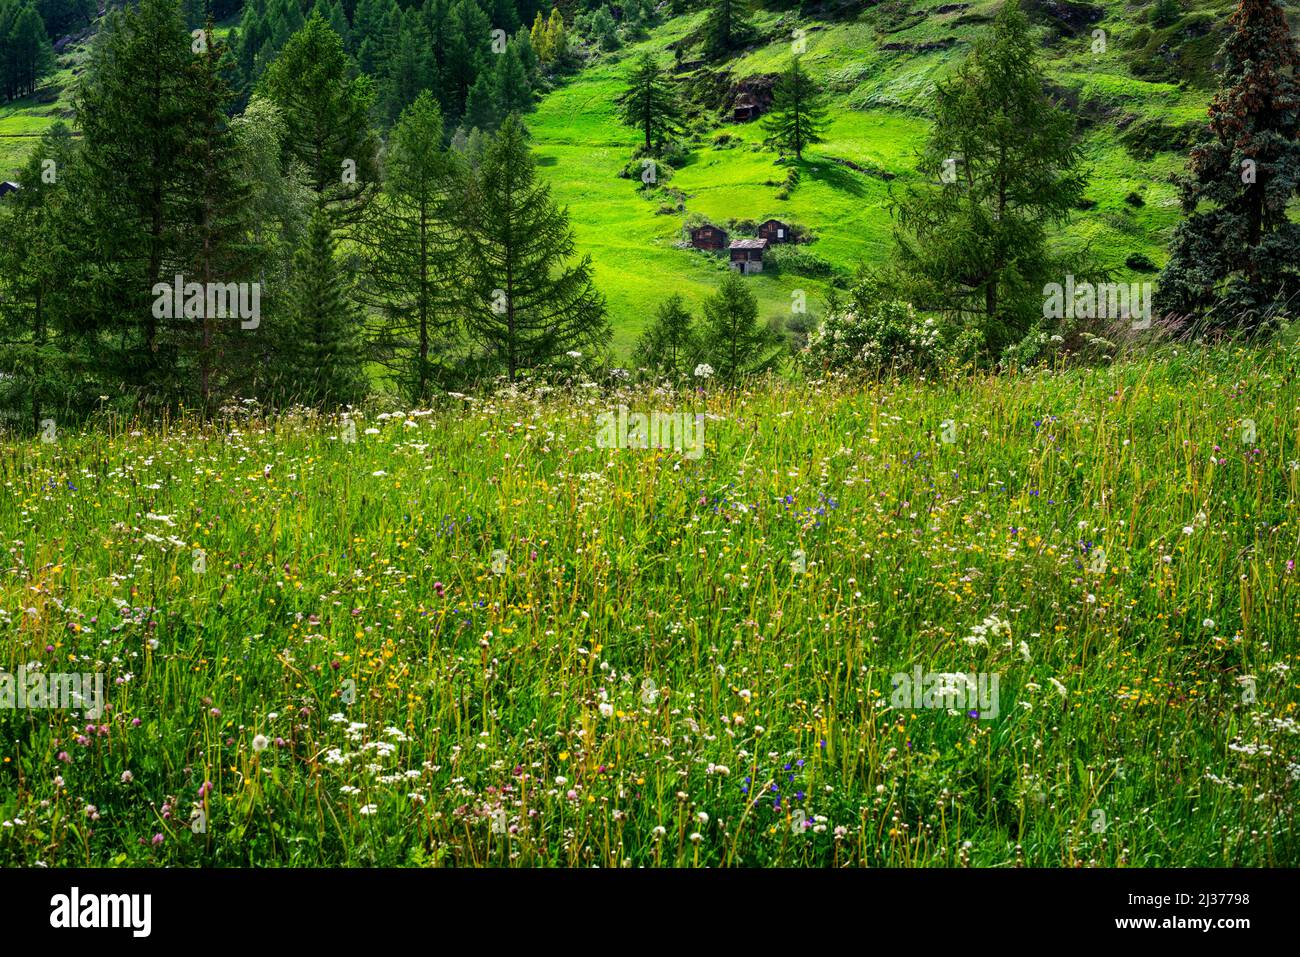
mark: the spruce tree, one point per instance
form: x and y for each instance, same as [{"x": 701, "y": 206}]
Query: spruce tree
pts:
[
  {"x": 526, "y": 301},
  {"x": 650, "y": 104},
  {"x": 411, "y": 242},
  {"x": 214, "y": 352},
  {"x": 798, "y": 116},
  {"x": 523, "y": 44},
  {"x": 36, "y": 344},
  {"x": 1235, "y": 260},
  {"x": 25, "y": 52},
  {"x": 319, "y": 354},
  {"x": 467, "y": 49},
  {"x": 511, "y": 90},
  {"x": 671, "y": 345},
  {"x": 1002, "y": 165},
  {"x": 481, "y": 104},
  {"x": 253, "y": 32},
  {"x": 732, "y": 339},
  {"x": 503, "y": 15},
  {"x": 411, "y": 72}
]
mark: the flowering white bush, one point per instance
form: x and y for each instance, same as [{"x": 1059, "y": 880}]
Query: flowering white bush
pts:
[{"x": 872, "y": 333}]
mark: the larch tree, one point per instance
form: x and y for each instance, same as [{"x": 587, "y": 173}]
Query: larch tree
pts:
[
  {"x": 411, "y": 241},
  {"x": 671, "y": 345},
  {"x": 650, "y": 104},
  {"x": 326, "y": 106},
  {"x": 1002, "y": 166},
  {"x": 733, "y": 340},
  {"x": 526, "y": 299},
  {"x": 798, "y": 116}
]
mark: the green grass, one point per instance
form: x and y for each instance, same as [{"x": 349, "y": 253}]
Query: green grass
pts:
[
  {"x": 24, "y": 121},
  {"x": 648, "y": 666}
]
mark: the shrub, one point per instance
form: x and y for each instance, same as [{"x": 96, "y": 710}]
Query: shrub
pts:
[
  {"x": 873, "y": 333},
  {"x": 800, "y": 262}
]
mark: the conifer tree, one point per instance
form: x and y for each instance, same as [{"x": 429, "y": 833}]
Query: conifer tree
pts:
[
  {"x": 527, "y": 55},
  {"x": 798, "y": 116},
  {"x": 319, "y": 354},
  {"x": 134, "y": 204},
  {"x": 511, "y": 90},
  {"x": 214, "y": 351},
  {"x": 411, "y": 71},
  {"x": 25, "y": 52},
  {"x": 557, "y": 37},
  {"x": 36, "y": 349},
  {"x": 727, "y": 28},
  {"x": 1002, "y": 165},
  {"x": 253, "y": 33},
  {"x": 539, "y": 39},
  {"x": 411, "y": 241},
  {"x": 732, "y": 339},
  {"x": 1235, "y": 259},
  {"x": 671, "y": 345},
  {"x": 326, "y": 108},
  {"x": 467, "y": 49},
  {"x": 504, "y": 16},
  {"x": 650, "y": 104},
  {"x": 481, "y": 105},
  {"x": 526, "y": 300}
]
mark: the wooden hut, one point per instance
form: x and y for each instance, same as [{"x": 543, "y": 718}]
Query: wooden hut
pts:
[
  {"x": 708, "y": 236},
  {"x": 747, "y": 255},
  {"x": 774, "y": 231}
]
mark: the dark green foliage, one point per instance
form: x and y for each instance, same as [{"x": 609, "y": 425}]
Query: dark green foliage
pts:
[
  {"x": 411, "y": 242},
  {"x": 36, "y": 347},
  {"x": 670, "y": 346},
  {"x": 727, "y": 27},
  {"x": 511, "y": 90},
  {"x": 318, "y": 355},
  {"x": 135, "y": 193},
  {"x": 732, "y": 340},
  {"x": 64, "y": 16},
  {"x": 798, "y": 116},
  {"x": 481, "y": 110},
  {"x": 326, "y": 105},
  {"x": 1235, "y": 260},
  {"x": 412, "y": 70},
  {"x": 1165, "y": 13},
  {"x": 214, "y": 352},
  {"x": 650, "y": 104},
  {"x": 25, "y": 52}
]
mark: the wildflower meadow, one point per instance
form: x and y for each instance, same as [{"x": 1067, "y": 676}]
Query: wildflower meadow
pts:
[{"x": 475, "y": 634}]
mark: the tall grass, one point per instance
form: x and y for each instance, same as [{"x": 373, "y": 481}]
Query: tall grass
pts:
[{"x": 650, "y": 680}]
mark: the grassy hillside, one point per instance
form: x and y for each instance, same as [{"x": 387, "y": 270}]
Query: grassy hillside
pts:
[
  {"x": 23, "y": 121},
  {"x": 880, "y": 67}
]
